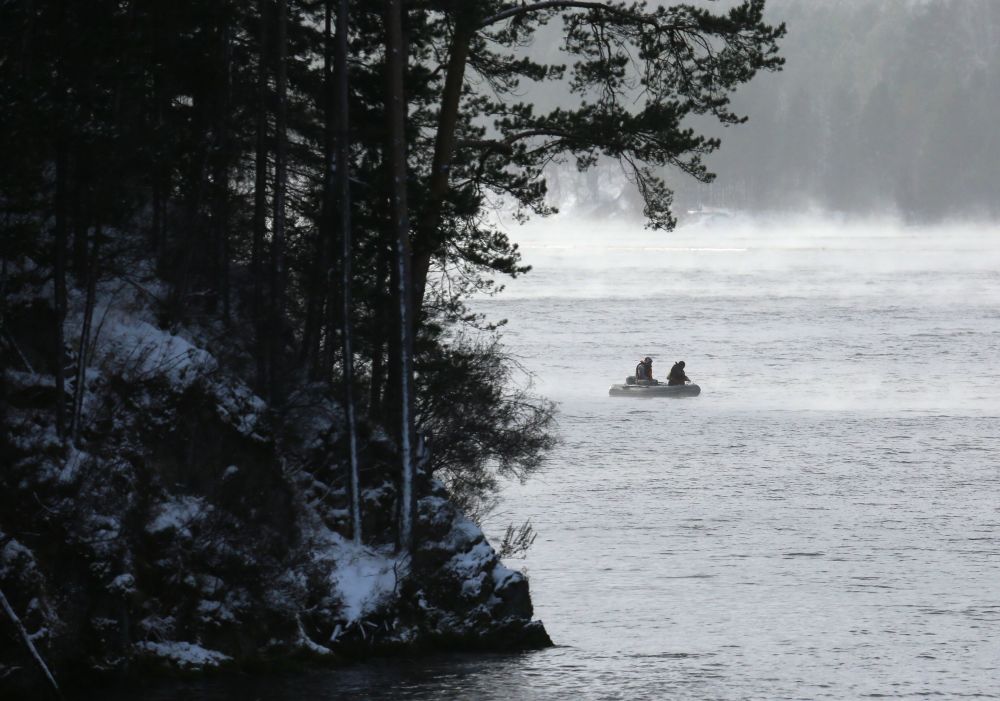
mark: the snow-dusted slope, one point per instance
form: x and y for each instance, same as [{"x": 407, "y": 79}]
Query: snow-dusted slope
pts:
[{"x": 190, "y": 527}]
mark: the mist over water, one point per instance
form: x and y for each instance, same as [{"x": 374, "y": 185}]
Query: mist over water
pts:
[{"x": 870, "y": 314}]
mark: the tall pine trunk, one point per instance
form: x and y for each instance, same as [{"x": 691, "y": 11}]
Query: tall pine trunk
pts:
[
  {"x": 444, "y": 147},
  {"x": 221, "y": 165},
  {"x": 191, "y": 263},
  {"x": 80, "y": 387},
  {"x": 81, "y": 178},
  {"x": 278, "y": 227},
  {"x": 396, "y": 148},
  {"x": 318, "y": 293},
  {"x": 260, "y": 206},
  {"x": 159, "y": 177},
  {"x": 379, "y": 303},
  {"x": 59, "y": 273},
  {"x": 343, "y": 183},
  {"x": 61, "y": 224}
]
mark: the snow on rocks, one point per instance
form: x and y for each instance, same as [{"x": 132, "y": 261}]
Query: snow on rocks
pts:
[
  {"x": 71, "y": 467},
  {"x": 13, "y": 556},
  {"x": 475, "y": 561},
  {"x": 184, "y": 656},
  {"x": 241, "y": 408},
  {"x": 177, "y": 514},
  {"x": 465, "y": 592},
  {"x": 123, "y": 585},
  {"x": 137, "y": 350},
  {"x": 363, "y": 580}
]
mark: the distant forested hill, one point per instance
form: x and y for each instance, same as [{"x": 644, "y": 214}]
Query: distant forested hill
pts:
[{"x": 882, "y": 105}]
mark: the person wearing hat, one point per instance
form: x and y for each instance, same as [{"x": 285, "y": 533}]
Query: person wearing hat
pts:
[{"x": 677, "y": 376}]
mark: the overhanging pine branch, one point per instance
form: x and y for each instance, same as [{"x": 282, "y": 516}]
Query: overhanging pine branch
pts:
[{"x": 566, "y": 5}]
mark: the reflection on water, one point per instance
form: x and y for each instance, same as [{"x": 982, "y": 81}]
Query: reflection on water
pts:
[{"x": 822, "y": 522}]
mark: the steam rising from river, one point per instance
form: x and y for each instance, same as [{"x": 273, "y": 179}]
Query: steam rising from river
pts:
[
  {"x": 858, "y": 251},
  {"x": 796, "y": 311}
]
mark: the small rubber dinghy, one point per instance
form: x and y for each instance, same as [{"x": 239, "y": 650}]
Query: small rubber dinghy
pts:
[{"x": 658, "y": 390}]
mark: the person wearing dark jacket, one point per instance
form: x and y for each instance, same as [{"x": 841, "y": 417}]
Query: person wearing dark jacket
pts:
[{"x": 677, "y": 376}]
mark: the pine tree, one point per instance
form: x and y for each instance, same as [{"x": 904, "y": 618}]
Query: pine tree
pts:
[
  {"x": 396, "y": 147},
  {"x": 343, "y": 186}
]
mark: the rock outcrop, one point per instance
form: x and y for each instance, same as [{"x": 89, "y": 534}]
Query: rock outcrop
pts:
[{"x": 189, "y": 527}]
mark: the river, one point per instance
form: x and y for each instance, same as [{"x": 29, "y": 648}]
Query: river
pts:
[{"x": 822, "y": 522}]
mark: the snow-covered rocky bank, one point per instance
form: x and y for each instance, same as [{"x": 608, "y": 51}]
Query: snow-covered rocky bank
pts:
[{"x": 188, "y": 527}]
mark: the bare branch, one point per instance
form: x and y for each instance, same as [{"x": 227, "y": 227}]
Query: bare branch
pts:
[{"x": 26, "y": 639}]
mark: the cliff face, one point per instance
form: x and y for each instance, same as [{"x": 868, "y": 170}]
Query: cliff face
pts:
[{"x": 190, "y": 527}]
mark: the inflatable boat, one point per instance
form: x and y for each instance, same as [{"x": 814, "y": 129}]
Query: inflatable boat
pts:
[{"x": 658, "y": 390}]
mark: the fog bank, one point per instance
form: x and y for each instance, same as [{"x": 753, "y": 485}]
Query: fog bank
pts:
[{"x": 884, "y": 107}]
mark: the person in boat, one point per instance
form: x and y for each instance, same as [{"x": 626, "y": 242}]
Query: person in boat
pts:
[
  {"x": 644, "y": 372},
  {"x": 677, "y": 376}
]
